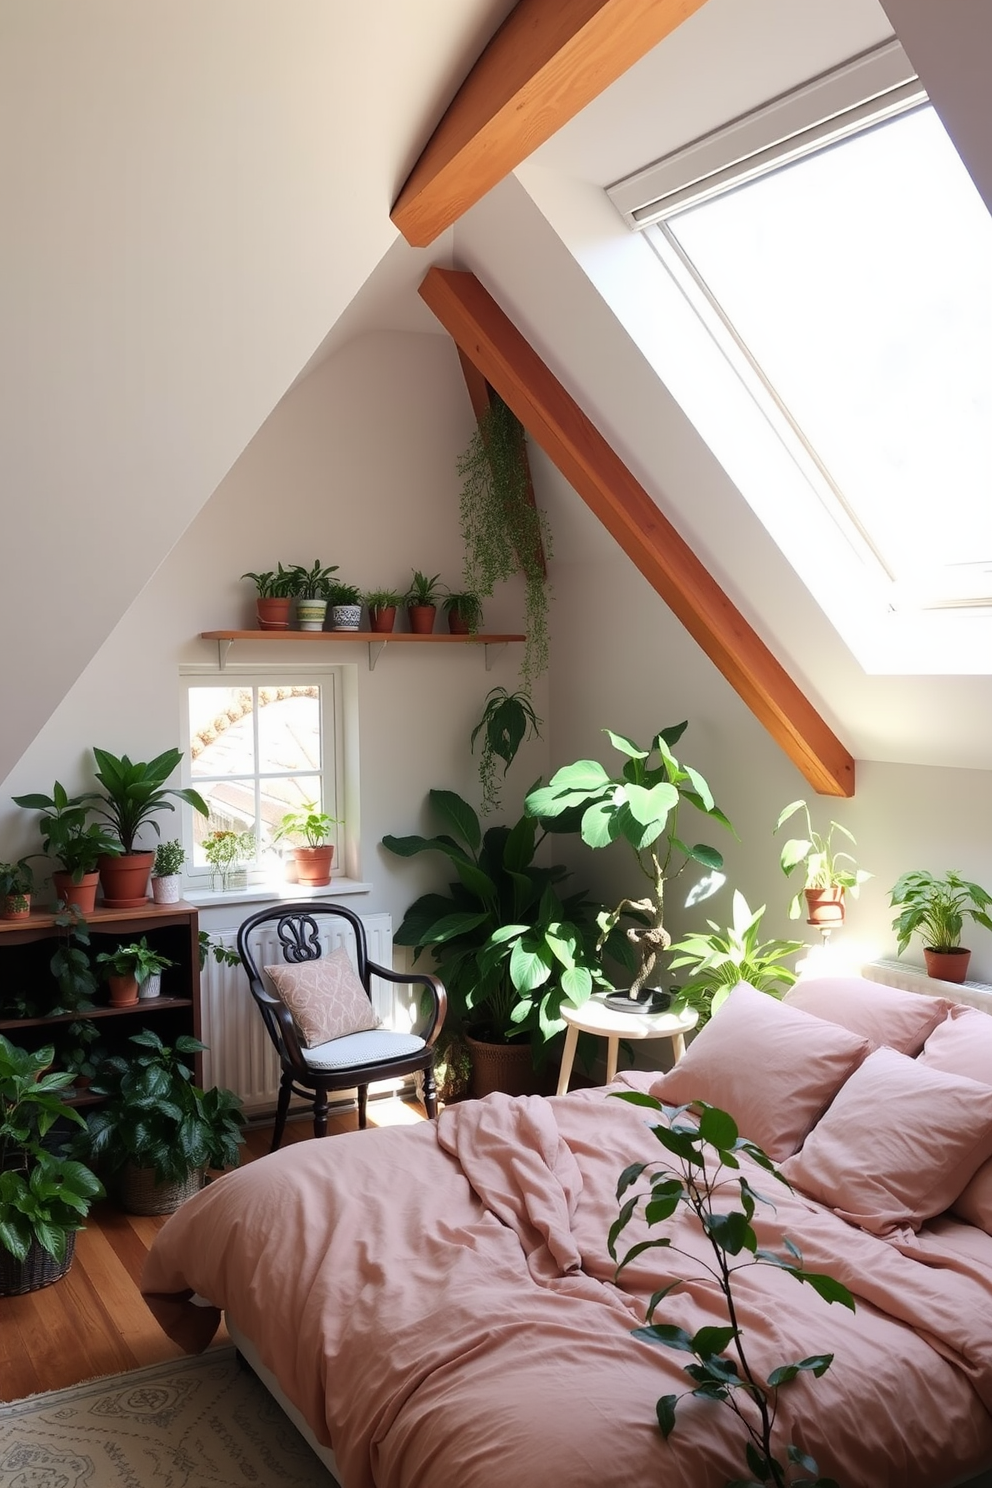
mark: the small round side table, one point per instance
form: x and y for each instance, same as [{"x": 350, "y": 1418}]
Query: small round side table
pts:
[{"x": 594, "y": 1017}]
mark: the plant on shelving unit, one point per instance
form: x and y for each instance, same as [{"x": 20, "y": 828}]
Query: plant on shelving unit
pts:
[
  {"x": 723, "y": 957},
  {"x": 80, "y": 1050},
  {"x": 345, "y": 601},
  {"x": 70, "y": 963},
  {"x": 829, "y": 872},
  {"x": 421, "y": 600},
  {"x": 128, "y": 968},
  {"x": 134, "y": 791},
  {"x": 503, "y": 530},
  {"x": 313, "y": 582},
  {"x": 935, "y": 910},
  {"x": 16, "y": 888},
  {"x": 225, "y": 850},
  {"x": 273, "y": 585},
  {"x": 706, "y": 1168},
  {"x": 382, "y": 606},
  {"x": 73, "y": 841},
  {"x": 508, "y": 719},
  {"x": 169, "y": 859},
  {"x": 464, "y": 612}
]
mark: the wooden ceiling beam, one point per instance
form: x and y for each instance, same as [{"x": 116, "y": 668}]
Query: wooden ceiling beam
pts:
[
  {"x": 545, "y": 63},
  {"x": 494, "y": 346}
]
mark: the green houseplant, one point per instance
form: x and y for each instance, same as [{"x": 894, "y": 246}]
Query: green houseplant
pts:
[
  {"x": 421, "y": 601},
  {"x": 72, "y": 840},
  {"x": 129, "y": 968},
  {"x": 640, "y": 806},
  {"x": 382, "y": 606},
  {"x": 315, "y": 855},
  {"x": 167, "y": 872},
  {"x": 227, "y": 851},
  {"x": 311, "y": 587},
  {"x": 464, "y": 612},
  {"x": 508, "y": 719},
  {"x": 722, "y": 957},
  {"x": 345, "y": 601},
  {"x": 935, "y": 909},
  {"x": 274, "y": 592},
  {"x": 829, "y": 872},
  {"x": 133, "y": 793},
  {"x": 16, "y": 887},
  {"x": 158, "y": 1131},
  {"x": 44, "y": 1198}
]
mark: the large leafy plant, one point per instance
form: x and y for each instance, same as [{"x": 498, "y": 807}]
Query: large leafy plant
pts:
[
  {"x": 705, "y": 1174},
  {"x": 135, "y": 791},
  {"x": 508, "y": 945},
  {"x": 723, "y": 956},
  {"x": 935, "y": 908},
  {"x": 66, "y": 833},
  {"x": 639, "y": 806}
]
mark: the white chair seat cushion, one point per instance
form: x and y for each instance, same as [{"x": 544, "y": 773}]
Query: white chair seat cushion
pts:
[{"x": 375, "y": 1046}]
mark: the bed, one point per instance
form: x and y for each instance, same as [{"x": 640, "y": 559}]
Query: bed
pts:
[{"x": 437, "y": 1304}]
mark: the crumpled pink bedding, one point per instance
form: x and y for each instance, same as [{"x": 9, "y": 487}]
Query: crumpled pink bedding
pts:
[{"x": 438, "y": 1302}]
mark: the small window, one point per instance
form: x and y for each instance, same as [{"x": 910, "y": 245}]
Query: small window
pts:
[{"x": 257, "y": 748}]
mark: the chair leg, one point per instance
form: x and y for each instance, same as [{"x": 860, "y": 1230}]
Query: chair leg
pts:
[
  {"x": 363, "y": 1098},
  {"x": 282, "y": 1110},
  {"x": 320, "y": 1112},
  {"x": 430, "y": 1092}
]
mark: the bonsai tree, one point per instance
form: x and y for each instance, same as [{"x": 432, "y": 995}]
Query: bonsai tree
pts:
[
  {"x": 135, "y": 791},
  {"x": 44, "y": 1198},
  {"x": 720, "y": 958},
  {"x": 824, "y": 866},
  {"x": 640, "y": 806},
  {"x": 137, "y": 960},
  {"x": 66, "y": 833},
  {"x": 935, "y": 909}
]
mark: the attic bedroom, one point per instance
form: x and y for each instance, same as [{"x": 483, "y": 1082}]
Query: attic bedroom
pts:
[{"x": 249, "y": 306}]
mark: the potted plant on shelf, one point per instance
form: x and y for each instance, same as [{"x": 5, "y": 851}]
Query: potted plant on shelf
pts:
[
  {"x": 935, "y": 909},
  {"x": 158, "y": 1132},
  {"x": 345, "y": 601},
  {"x": 314, "y": 856},
  {"x": 311, "y": 587},
  {"x": 720, "y": 958},
  {"x": 132, "y": 971},
  {"x": 226, "y": 851},
  {"x": 133, "y": 793},
  {"x": 382, "y": 606},
  {"x": 167, "y": 871},
  {"x": 640, "y": 806},
  {"x": 464, "y": 612},
  {"x": 829, "y": 872},
  {"x": 421, "y": 601},
  {"x": 79, "y": 1052},
  {"x": 16, "y": 887},
  {"x": 73, "y": 841},
  {"x": 274, "y": 595},
  {"x": 44, "y": 1198}
]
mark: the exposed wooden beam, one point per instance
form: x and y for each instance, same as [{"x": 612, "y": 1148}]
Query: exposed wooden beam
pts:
[
  {"x": 545, "y": 63},
  {"x": 551, "y": 416}
]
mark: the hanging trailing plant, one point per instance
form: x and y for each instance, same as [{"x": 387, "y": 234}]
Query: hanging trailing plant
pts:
[
  {"x": 503, "y": 530},
  {"x": 508, "y": 718}
]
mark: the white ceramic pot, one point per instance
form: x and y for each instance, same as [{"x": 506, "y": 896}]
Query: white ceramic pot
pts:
[
  {"x": 346, "y": 616},
  {"x": 151, "y": 988},
  {"x": 311, "y": 614},
  {"x": 167, "y": 888}
]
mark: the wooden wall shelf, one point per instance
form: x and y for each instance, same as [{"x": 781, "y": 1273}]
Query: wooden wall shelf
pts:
[{"x": 375, "y": 640}]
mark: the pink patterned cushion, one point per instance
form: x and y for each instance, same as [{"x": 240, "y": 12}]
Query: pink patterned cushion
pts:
[
  {"x": 773, "y": 1067},
  {"x": 886, "y": 1015},
  {"x": 325, "y": 997},
  {"x": 963, "y": 1046}
]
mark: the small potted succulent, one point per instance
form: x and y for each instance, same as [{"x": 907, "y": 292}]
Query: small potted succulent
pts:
[
  {"x": 274, "y": 595},
  {"x": 314, "y": 856},
  {"x": 312, "y": 587},
  {"x": 829, "y": 872},
  {"x": 74, "y": 842},
  {"x": 16, "y": 886},
  {"x": 382, "y": 606},
  {"x": 345, "y": 601},
  {"x": 935, "y": 910},
  {"x": 464, "y": 612},
  {"x": 167, "y": 872},
  {"x": 132, "y": 971},
  {"x": 421, "y": 601}
]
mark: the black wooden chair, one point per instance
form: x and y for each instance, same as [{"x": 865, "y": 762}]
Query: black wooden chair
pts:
[{"x": 302, "y": 932}]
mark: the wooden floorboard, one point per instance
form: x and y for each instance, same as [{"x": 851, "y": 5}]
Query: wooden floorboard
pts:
[{"x": 94, "y": 1321}]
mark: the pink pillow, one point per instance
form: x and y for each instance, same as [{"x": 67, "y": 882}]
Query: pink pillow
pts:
[
  {"x": 773, "y": 1067},
  {"x": 325, "y": 997},
  {"x": 886, "y": 1015},
  {"x": 898, "y": 1144},
  {"x": 963, "y": 1046}
]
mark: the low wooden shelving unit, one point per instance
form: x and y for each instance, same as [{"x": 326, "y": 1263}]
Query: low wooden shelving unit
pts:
[{"x": 375, "y": 640}]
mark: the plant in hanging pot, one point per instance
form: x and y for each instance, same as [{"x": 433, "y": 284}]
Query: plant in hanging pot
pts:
[
  {"x": 311, "y": 587},
  {"x": 314, "y": 856},
  {"x": 167, "y": 871},
  {"x": 508, "y": 719},
  {"x": 345, "y": 601},
  {"x": 421, "y": 601},
  {"x": 73, "y": 841},
  {"x": 158, "y": 1131},
  {"x": 134, "y": 791},
  {"x": 382, "y": 606},
  {"x": 935, "y": 909},
  {"x": 44, "y": 1198},
  {"x": 129, "y": 968},
  {"x": 464, "y": 612},
  {"x": 829, "y": 872},
  {"x": 16, "y": 888},
  {"x": 274, "y": 595}
]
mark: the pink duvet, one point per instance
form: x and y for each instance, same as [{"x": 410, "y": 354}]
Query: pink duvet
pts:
[{"x": 439, "y": 1303}]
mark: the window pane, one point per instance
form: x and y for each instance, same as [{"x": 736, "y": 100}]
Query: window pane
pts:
[
  {"x": 288, "y": 729},
  {"x": 221, "y": 731},
  {"x": 232, "y": 809},
  {"x": 859, "y": 280},
  {"x": 282, "y": 794}
]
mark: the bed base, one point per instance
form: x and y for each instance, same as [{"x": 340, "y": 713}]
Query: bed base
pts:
[{"x": 249, "y": 1353}]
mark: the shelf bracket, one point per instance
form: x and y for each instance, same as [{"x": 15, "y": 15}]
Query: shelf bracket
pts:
[
  {"x": 375, "y": 650},
  {"x": 492, "y": 651},
  {"x": 223, "y": 647}
]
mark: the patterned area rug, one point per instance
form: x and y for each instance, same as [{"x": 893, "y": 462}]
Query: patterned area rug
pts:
[{"x": 193, "y": 1423}]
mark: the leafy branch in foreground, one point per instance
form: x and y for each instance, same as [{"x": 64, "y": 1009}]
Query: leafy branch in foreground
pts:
[{"x": 715, "y": 1373}]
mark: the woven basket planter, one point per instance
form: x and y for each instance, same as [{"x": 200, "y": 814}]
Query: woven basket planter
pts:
[
  {"x": 141, "y": 1193},
  {"x": 37, "y": 1270},
  {"x": 505, "y": 1067}
]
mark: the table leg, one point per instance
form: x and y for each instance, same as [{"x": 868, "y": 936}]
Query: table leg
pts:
[
  {"x": 567, "y": 1058},
  {"x": 678, "y": 1046},
  {"x": 612, "y": 1051}
]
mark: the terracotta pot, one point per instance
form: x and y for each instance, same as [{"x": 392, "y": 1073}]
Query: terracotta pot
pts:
[
  {"x": 273, "y": 614},
  {"x": 125, "y": 880},
  {"x": 82, "y": 895},
  {"x": 313, "y": 865},
  {"x": 505, "y": 1067},
  {"x": 16, "y": 907},
  {"x": 947, "y": 965},
  {"x": 383, "y": 619},
  {"x": 422, "y": 618},
  {"x": 825, "y": 906},
  {"x": 457, "y": 624},
  {"x": 123, "y": 991}
]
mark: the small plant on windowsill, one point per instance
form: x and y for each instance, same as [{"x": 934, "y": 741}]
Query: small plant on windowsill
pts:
[
  {"x": 313, "y": 858},
  {"x": 227, "y": 851},
  {"x": 167, "y": 872}
]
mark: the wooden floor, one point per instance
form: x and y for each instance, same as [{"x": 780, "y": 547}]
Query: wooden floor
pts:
[{"x": 94, "y": 1321}]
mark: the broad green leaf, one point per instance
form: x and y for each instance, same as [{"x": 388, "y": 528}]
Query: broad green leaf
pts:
[
  {"x": 625, "y": 745},
  {"x": 530, "y": 964},
  {"x": 710, "y": 1342},
  {"x": 666, "y": 1333},
  {"x": 665, "y": 1411},
  {"x": 828, "y": 1288},
  {"x": 732, "y": 1232},
  {"x": 651, "y": 806},
  {"x": 584, "y": 775},
  {"x": 597, "y": 824},
  {"x": 757, "y": 1462},
  {"x": 459, "y": 816},
  {"x": 576, "y": 983},
  {"x": 718, "y": 1128}
]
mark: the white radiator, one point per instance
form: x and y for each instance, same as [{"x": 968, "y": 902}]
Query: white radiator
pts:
[{"x": 239, "y": 1053}]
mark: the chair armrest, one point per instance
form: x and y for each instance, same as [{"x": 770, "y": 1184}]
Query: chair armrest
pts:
[
  {"x": 287, "y": 1028},
  {"x": 431, "y": 984}
]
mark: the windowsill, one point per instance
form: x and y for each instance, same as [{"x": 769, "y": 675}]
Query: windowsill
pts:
[{"x": 266, "y": 893}]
